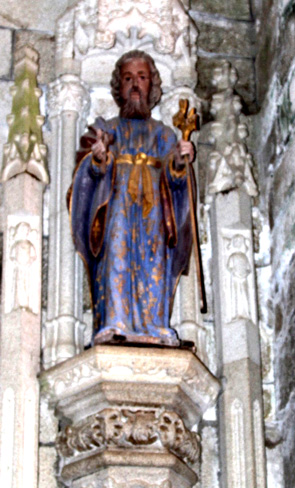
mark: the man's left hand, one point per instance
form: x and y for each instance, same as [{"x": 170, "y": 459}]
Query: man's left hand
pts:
[{"x": 185, "y": 148}]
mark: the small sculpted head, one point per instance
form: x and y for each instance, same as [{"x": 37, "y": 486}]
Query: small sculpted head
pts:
[{"x": 136, "y": 85}]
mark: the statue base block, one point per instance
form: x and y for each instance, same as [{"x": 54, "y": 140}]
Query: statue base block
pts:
[{"x": 127, "y": 415}]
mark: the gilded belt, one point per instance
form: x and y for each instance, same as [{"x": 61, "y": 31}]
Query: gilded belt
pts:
[{"x": 140, "y": 164}]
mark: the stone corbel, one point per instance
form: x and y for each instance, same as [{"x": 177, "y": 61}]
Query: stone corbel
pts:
[{"x": 130, "y": 414}]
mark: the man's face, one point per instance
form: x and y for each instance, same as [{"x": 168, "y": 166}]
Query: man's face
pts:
[{"x": 135, "y": 88}]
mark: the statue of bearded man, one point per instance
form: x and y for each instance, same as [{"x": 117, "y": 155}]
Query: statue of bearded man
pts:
[{"x": 129, "y": 211}]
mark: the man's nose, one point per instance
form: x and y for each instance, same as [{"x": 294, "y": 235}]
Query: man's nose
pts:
[{"x": 135, "y": 81}]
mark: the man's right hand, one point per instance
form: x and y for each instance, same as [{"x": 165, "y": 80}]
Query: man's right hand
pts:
[{"x": 101, "y": 146}]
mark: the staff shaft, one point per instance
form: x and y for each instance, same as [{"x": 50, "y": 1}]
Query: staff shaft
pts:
[{"x": 196, "y": 244}]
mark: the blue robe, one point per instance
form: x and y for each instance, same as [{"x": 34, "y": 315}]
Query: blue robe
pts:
[{"x": 130, "y": 225}]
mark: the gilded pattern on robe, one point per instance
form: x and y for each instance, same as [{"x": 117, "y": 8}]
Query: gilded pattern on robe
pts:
[{"x": 130, "y": 224}]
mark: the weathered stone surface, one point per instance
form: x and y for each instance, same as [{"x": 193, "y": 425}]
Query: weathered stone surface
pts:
[
  {"x": 225, "y": 37},
  {"x": 283, "y": 184},
  {"x": 48, "y": 424},
  {"x": 136, "y": 476},
  {"x": 288, "y": 445},
  {"x": 282, "y": 204},
  {"x": 203, "y": 154},
  {"x": 237, "y": 9},
  {"x": 8, "y": 22},
  {"x": 266, "y": 59},
  {"x": 31, "y": 15},
  {"x": 5, "y": 52},
  {"x": 286, "y": 46},
  {"x": 285, "y": 340},
  {"x": 246, "y": 79},
  {"x": 47, "y": 467},
  {"x": 275, "y": 474},
  {"x": 210, "y": 461},
  {"x": 44, "y": 44},
  {"x": 5, "y": 108}
]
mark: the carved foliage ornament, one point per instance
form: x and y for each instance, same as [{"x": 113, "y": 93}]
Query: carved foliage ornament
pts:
[
  {"x": 165, "y": 20},
  {"x": 95, "y": 23},
  {"x": 25, "y": 151},
  {"x": 68, "y": 94},
  {"x": 127, "y": 429}
]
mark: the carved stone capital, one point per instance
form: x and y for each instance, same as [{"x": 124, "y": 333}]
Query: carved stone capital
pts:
[
  {"x": 129, "y": 429},
  {"x": 68, "y": 93}
]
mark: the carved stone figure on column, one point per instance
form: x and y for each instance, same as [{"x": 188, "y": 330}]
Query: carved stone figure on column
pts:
[
  {"x": 129, "y": 210},
  {"x": 23, "y": 254},
  {"x": 239, "y": 268}
]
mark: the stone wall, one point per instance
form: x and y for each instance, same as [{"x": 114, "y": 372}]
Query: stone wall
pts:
[{"x": 273, "y": 137}]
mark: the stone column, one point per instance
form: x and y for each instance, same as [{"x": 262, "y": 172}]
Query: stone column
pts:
[
  {"x": 64, "y": 327},
  {"x": 232, "y": 184},
  {"x": 24, "y": 176},
  {"x": 127, "y": 416}
]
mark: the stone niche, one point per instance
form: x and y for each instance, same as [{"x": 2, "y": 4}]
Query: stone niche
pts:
[{"x": 129, "y": 416}]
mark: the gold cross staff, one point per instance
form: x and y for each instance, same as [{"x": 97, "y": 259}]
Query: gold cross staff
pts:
[{"x": 188, "y": 122}]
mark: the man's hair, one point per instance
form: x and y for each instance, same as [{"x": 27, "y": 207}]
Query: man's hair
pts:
[{"x": 155, "y": 90}]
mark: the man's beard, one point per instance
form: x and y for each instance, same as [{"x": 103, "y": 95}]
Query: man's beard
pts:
[{"x": 135, "y": 109}]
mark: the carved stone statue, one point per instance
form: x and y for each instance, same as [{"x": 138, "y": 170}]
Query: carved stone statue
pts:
[
  {"x": 129, "y": 210},
  {"x": 230, "y": 162},
  {"x": 239, "y": 268},
  {"x": 23, "y": 255}
]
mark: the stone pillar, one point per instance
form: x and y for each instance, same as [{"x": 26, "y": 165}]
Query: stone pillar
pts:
[
  {"x": 24, "y": 176},
  {"x": 127, "y": 416},
  {"x": 231, "y": 182},
  {"x": 64, "y": 327}
]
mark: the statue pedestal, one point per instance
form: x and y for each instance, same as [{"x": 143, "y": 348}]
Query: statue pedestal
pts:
[{"x": 127, "y": 415}]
